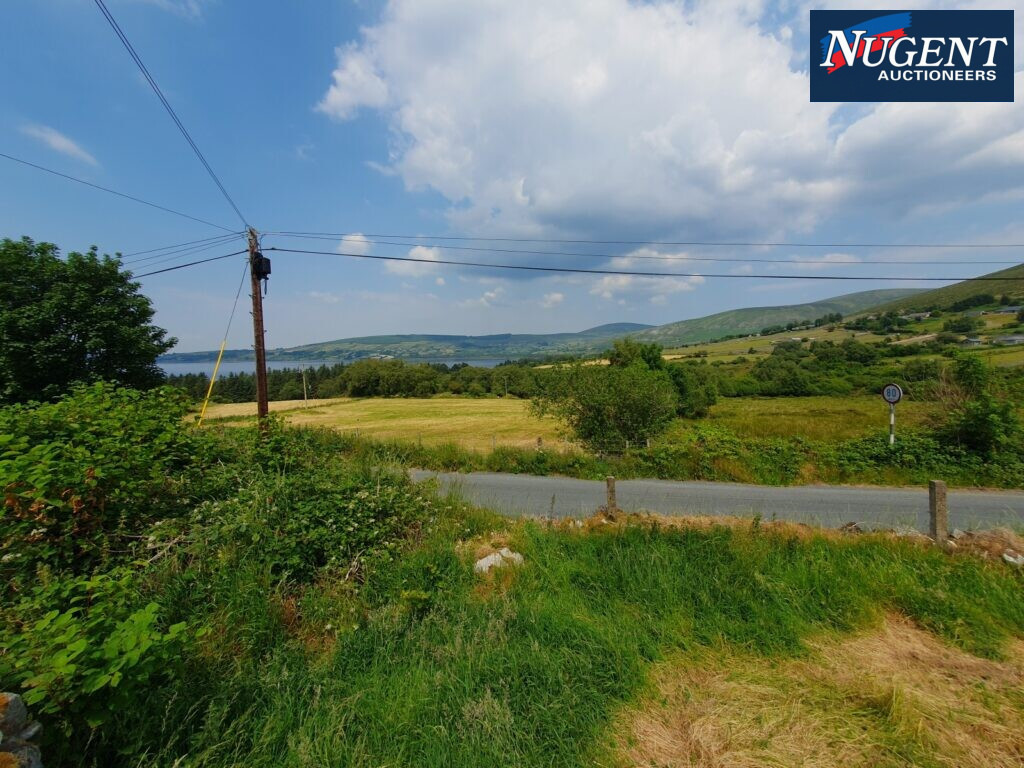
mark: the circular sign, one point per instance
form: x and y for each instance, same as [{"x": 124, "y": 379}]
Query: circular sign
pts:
[{"x": 892, "y": 393}]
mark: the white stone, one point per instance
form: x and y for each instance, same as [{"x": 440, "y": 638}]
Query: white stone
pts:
[
  {"x": 1013, "y": 558},
  {"x": 499, "y": 559}
]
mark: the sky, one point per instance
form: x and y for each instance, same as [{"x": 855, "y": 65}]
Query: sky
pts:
[{"x": 574, "y": 120}]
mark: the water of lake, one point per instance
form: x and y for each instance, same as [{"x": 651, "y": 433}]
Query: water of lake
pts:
[{"x": 249, "y": 366}]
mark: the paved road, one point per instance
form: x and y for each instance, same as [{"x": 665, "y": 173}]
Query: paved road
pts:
[{"x": 818, "y": 504}]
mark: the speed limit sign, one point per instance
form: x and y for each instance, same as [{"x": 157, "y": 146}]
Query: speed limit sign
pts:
[{"x": 892, "y": 393}]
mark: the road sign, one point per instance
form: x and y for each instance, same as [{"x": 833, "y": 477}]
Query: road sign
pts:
[{"x": 892, "y": 393}]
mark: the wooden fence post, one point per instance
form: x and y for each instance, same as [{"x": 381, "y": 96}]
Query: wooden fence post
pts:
[
  {"x": 610, "y": 504},
  {"x": 938, "y": 512}
]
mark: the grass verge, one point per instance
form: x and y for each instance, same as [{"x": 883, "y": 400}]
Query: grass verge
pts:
[{"x": 531, "y": 666}]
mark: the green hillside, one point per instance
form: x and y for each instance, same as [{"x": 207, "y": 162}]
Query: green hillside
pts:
[
  {"x": 942, "y": 298},
  {"x": 753, "y": 319},
  {"x": 433, "y": 346},
  {"x": 518, "y": 345}
]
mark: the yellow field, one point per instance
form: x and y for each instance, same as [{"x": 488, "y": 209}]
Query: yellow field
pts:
[
  {"x": 480, "y": 424},
  {"x": 472, "y": 423},
  {"x": 815, "y": 418}
]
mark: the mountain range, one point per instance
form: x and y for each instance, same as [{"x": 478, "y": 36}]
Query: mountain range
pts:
[{"x": 520, "y": 345}]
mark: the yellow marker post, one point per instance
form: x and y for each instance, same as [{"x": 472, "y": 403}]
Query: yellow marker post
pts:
[{"x": 213, "y": 378}]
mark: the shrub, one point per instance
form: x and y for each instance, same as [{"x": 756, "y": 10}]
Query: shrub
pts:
[
  {"x": 609, "y": 407},
  {"x": 294, "y": 524},
  {"x": 696, "y": 389},
  {"x": 984, "y": 424},
  {"x": 83, "y": 476},
  {"x": 84, "y": 648}
]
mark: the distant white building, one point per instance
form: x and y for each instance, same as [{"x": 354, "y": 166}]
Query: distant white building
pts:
[{"x": 1009, "y": 341}]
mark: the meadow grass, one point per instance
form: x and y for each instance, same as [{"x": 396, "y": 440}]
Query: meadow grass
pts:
[
  {"x": 732, "y": 348},
  {"x": 822, "y": 418},
  {"x": 472, "y": 423},
  {"x": 480, "y": 424},
  {"x": 531, "y": 666}
]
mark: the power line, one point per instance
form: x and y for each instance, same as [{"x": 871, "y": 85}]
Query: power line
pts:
[
  {"x": 709, "y": 243},
  {"x": 175, "y": 245},
  {"x": 165, "y": 259},
  {"x": 114, "y": 192},
  {"x": 647, "y": 257},
  {"x": 158, "y": 258},
  {"x": 571, "y": 270},
  {"x": 190, "y": 264},
  {"x": 170, "y": 110}
]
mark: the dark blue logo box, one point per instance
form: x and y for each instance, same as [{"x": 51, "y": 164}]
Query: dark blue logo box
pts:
[{"x": 911, "y": 56}]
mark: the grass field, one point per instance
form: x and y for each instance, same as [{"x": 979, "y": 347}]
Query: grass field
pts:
[
  {"x": 814, "y": 418},
  {"x": 733, "y": 348},
  {"x": 476, "y": 424},
  {"x": 632, "y": 645}
]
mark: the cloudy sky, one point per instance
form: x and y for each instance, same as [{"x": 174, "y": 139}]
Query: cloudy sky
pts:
[{"x": 592, "y": 120}]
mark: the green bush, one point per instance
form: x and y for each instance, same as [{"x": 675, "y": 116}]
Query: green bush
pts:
[
  {"x": 696, "y": 389},
  {"x": 84, "y": 648},
  {"x": 84, "y": 476},
  {"x": 609, "y": 408},
  {"x": 294, "y": 524}
]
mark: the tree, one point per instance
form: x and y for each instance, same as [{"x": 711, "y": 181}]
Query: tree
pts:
[
  {"x": 79, "y": 319},
  {"x": 696, "y": 388},
  {"x": 608, "y": 408},
  {"x": 627, "y": 351},
  {"x": 962, "y": 324}
]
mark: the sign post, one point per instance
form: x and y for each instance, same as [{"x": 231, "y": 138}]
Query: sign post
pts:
[{"x": 892, "y": 394}]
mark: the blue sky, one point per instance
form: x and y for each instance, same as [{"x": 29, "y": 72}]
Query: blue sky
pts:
[{"x": 583, "y": 119}]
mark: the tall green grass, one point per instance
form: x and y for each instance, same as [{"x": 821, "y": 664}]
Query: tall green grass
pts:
[{"x": 445, "y": 669}]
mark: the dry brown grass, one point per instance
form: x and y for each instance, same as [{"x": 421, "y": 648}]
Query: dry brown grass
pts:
[
  {"x": 233, "y": 410},
  {"x": 895, "y": 696},
  {"x": 474, "y": 423},
  {"x": 618, "y": 519}
]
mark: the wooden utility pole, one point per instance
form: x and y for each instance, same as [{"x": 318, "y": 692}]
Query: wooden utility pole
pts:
[{"x": 259, "y": 269}]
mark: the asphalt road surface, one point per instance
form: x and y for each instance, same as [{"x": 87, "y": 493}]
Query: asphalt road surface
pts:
[{"x": 825, "y": 505}]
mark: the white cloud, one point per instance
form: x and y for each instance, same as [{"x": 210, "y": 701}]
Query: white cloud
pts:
[
  {"x": 819, "y": 262},
  {"x": 656, "y": 289},
  {"x": 439, "y": 281},
  {"x": 58, "y": 142},
  {"x": 552, "y": 299},
  {"x": 602, "y": 116},
  {"x": 324, "y": 297},
  {"x": 489, "y": 298},
  {"x": 354, "y": 243},
  {"x": 190, "y": 9},
  {"x": 356, "y": 84},
  {"x": 414, "y": 268}
]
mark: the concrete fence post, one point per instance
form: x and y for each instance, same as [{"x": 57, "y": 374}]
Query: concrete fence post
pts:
[
  {"x": 610, "y": 503},
  {"x": 938, "y": 512}
]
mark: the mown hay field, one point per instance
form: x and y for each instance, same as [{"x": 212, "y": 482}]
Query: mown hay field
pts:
[
  {"x": 483, "y": 423},
  {"x": 474, "y": 423}
]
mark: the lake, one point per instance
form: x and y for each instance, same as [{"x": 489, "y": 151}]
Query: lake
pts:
[{"x": 249, "y": 366}]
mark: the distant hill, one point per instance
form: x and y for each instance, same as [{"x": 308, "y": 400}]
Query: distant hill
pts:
[
  {"x": 519, "y": 345},
  {"x": 437, "y": 346},
  {"x": 941, "y": 298},
  {"x": 753, "y": 319}
]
